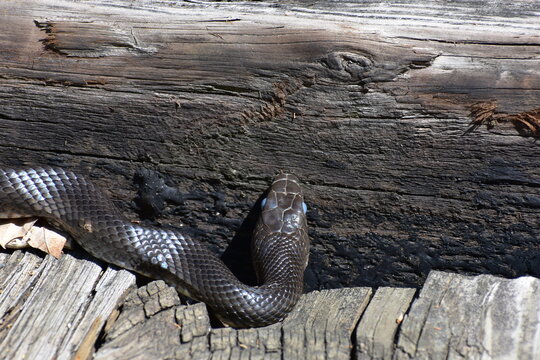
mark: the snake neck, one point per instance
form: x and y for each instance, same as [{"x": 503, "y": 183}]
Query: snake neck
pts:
[
  {"x": 197, "y": 273},
  {"x": 280, "y": 277}
]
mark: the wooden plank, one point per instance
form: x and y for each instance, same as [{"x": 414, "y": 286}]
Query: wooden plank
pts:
[
  {"x": 148, "y": 326},
  {"x": 18, "y": 275},
  {"x": 487, "y": 317},
  {"x": 454, "y": 316},
  {"x": 376, "y": 332},
  {"x": 366, "y": 101},
  {"x": 319, "y": 327},
  {"x": 50, "y": 308},
  {"x": 107, "y": 296},
  {"x": 322, "y": 325}
]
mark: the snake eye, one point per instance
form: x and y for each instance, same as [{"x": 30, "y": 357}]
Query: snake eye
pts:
[
  {"x": 263, "y": 202},
  {"x": 304, "y": 206}
]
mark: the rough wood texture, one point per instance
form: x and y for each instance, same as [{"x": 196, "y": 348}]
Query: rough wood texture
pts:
[
  {"x": 152, "y": 324},
  {"x": 58, "y": 309},
  {"x": 460, "y": 317},
  {"x": 55, "y": 309},
  {"x": 377, "y": 330},
  {"x": 367, "y": 102},
  {"x": 322, "y": 326}
]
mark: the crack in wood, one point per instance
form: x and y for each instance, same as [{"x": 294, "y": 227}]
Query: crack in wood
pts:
[
  {"x": 470, "y": 42},
  {"x": 89, "y": 40},
  {"x": 49, "y": 43}
]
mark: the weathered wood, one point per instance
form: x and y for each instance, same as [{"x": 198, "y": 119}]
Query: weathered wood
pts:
[
  {"x": 147, "y": 326},
  {"x": 53, "y": 309},
  {"x": 366, "y": 101},
  {"x": 18, "y": 273},
  {"x": 376, "y": 332},
  {"x": 320, "y": 327},
  {"x": 460, "y": 317}
]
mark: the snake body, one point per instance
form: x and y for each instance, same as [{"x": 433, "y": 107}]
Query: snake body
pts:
[{"x": 280, "y": 244}]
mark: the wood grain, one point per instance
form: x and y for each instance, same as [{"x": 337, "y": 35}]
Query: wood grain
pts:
[
  {"x": 460, "y": 317},
  {"x": 376, "y": 332},
  {"x": 48, "y": 310},
  {"x": 51, "y": 308},
  {"x": 320, "y": 327},
  {"x": 367, "y": 102}
]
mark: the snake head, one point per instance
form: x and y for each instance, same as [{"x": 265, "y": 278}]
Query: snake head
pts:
[{"x": 284, "y": 209}]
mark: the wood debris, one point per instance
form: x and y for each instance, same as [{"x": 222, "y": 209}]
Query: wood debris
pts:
[{"x": 485, "y": 113}]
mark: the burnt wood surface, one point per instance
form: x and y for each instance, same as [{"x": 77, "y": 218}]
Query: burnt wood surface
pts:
[{"x": 369, "y": 103}]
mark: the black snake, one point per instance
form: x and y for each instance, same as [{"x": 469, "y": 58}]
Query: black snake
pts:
[{"x": 280, "y": 245}]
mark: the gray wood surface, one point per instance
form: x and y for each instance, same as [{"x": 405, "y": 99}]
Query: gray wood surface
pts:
[
  {"x": 54, "y": 309},
  {"x": 377, "y": 330},
  {"x": 320, "y": 327},
  {"x": 482, "y": 317},
  {"x": 73, "y": 309},
  {"x": 368, "y": 102}
]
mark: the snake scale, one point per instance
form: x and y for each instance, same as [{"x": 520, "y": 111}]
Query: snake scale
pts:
[{"x": 280, "y": 244}]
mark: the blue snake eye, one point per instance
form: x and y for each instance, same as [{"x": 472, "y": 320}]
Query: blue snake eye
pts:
[
  {"x": 304, "y": 206},
  {"x": 263, "y": 202}
]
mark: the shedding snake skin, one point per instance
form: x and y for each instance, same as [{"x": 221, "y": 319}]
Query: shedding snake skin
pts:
[{"x": 280, "y": 245}]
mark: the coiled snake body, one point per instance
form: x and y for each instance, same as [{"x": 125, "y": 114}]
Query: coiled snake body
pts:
[{"x": 280, "y": 245}]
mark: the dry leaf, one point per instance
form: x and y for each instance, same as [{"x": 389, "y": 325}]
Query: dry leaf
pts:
[
  {"x": 47, "y": 241},
  {"x": 12, "y": 233},
  {"x": 20, "y": 233}
]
